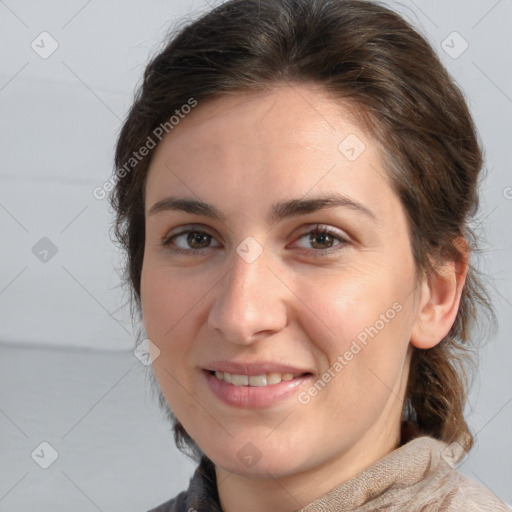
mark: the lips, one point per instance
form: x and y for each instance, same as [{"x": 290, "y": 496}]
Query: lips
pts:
[{"x": 254, "y": 385}]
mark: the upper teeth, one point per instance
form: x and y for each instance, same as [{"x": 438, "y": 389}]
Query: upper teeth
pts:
[{"x": 254, "y": 380}]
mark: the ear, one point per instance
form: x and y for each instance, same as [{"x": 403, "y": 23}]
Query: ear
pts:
[{"x": 439, "y": 301}]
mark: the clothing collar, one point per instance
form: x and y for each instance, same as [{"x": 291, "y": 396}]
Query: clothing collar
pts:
[{"x": 407, "y": 466}]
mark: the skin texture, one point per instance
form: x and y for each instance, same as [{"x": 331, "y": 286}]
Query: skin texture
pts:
[{"x": 243, "y": 153}]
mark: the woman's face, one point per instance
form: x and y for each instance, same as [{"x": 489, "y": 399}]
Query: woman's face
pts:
[{"x": 278, "y": 283}]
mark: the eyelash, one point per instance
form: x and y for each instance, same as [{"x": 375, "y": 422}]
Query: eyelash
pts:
[{"x": 167, "y": 241}]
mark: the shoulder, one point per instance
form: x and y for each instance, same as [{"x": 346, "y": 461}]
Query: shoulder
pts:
[
  {"x": 201, "y": 494},
  {"x": 445, "y": 489},
  {"x": 176, "y": 504},
  {"x": 422, "y": 476},
  {"x": 465, "y": 494}
]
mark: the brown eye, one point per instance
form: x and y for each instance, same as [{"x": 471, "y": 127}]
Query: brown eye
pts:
[
  {"x": 190, "y": 241},
  {"x": 198, "y": 239},
  {"x": 321, "y": 240}
]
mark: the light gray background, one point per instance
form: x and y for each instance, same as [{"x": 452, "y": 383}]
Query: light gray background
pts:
[{"x": 67, "y": 373}]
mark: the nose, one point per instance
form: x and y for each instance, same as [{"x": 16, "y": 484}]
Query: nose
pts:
[{"x": 249, "y": 303}]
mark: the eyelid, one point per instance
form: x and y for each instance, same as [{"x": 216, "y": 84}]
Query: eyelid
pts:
[
  {"x": 186, "y": 228},
  {"x": 323, "y": 228}
]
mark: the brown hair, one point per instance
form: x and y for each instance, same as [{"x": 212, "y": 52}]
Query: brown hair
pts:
[{"x": 366, "y": 54}]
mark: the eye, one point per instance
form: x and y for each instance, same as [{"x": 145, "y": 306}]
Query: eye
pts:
[
  {"x": 190, "y": 241},
  {"x": 323, "y": 239}
]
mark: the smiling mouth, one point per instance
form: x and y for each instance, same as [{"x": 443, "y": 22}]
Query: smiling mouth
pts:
[{"x": 266, "y": 379}]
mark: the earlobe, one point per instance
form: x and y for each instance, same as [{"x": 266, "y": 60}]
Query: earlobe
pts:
[{"x": 439, "y": 300}]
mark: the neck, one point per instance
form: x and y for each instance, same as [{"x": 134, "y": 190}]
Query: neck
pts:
[{"x": 293, "y": 492}]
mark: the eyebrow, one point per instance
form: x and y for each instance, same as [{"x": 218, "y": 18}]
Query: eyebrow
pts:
[{"x": 278, "y": 211}]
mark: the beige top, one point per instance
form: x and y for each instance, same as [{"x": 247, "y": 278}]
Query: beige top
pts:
[{"x": 419, "y": 476}]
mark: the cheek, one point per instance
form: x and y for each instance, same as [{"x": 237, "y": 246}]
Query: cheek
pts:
[
  {"x": 169, "y": 304},
  {"x": 357, "y": 305},
  {"x": 168, "y": 299},
  {"x": 367, "y": 318}
]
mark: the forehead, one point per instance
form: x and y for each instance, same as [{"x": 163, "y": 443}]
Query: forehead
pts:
[
  {"x": 303, "y": 114},
  {"x": 273, "y": 145}
]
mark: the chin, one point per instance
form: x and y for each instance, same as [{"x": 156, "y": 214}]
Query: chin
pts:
[{"x": 251, "y": 462}]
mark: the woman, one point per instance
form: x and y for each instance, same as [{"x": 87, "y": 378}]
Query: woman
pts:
[{"x": 294, "y": 185}]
